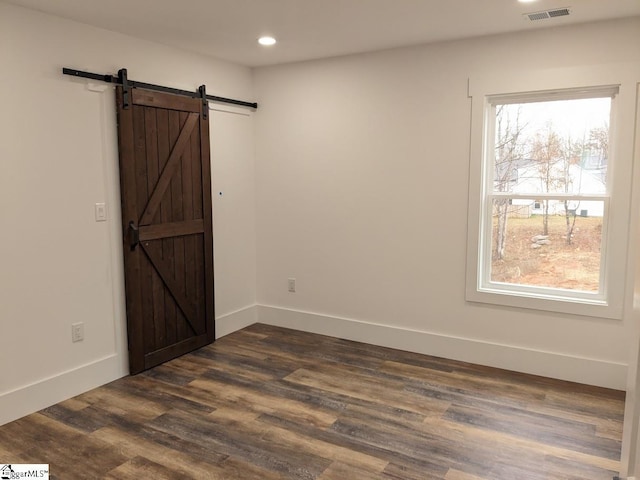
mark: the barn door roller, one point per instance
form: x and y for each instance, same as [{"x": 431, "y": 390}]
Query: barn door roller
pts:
[
  {"x": 126, "y": 88},
  {"x": 127, "y": 85},
  {"x": 205, "y": 105}
]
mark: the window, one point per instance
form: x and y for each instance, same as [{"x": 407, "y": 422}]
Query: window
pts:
[
  {"x": 542, "y": 192},
  {"x": 548, "y": 198}
]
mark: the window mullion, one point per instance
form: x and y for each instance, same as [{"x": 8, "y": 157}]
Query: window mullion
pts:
[{"x": 548, "y": 196}]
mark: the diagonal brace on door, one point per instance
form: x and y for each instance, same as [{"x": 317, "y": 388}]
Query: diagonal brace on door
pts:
[
  {"x": 170, "y": 170},
  {"x": 176, "y": 291}
]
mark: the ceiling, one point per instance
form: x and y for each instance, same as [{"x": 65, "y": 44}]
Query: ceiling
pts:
[{"x": 311, "y": 29}]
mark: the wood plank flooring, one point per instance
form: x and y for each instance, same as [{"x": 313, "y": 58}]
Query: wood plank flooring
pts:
[{"x": 270, "y": 403}]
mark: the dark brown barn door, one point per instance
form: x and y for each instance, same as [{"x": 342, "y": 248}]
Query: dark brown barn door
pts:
[{"x": 167, "y": 226}]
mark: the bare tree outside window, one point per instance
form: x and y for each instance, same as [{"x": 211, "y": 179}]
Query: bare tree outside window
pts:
[
  {"x": 509, "y": 151},
  {"x": 546, "y": 154}
]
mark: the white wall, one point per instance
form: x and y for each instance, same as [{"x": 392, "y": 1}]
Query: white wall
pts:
[
  {"x": 630, "y": 458},
  {"x": 58, "y": 157},
  {"x": 234, "y": 222},
  {"x": 362, "y": 186}
]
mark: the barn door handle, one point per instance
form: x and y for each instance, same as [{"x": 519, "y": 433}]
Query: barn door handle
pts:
[{"x": 134, "y": 235}]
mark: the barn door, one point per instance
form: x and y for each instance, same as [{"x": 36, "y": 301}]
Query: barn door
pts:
[{"x": 167, "y": 226}]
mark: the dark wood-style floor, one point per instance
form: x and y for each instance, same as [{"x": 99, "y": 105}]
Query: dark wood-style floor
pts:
[{"x": 268, "y": 403}]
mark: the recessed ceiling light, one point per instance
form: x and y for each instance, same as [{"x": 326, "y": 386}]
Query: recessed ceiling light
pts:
[
  {"x": 526, "y": 1},
  {"x": 267, "y": 41}
]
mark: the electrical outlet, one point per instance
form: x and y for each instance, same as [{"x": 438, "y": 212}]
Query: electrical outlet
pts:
[
  {"x": 292, "y": 285},
  {"x": 77, "y": 332}
]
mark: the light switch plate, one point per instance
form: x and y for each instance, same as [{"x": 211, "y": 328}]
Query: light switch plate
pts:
[{"x": 101, "y": 212}]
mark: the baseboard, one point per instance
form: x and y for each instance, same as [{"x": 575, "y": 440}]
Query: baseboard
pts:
[
  {"x": 36, "y": 396},
  {"x": 536, "y": 362},
  {"x": 231, "y": 322}
]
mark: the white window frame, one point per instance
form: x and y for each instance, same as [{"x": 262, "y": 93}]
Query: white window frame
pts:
[{"x": 488, "y": 90}]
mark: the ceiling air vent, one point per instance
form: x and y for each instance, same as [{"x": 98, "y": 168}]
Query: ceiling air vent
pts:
[
  {"x": 560, "y": 12},
  {"x": 557, "y": 12}
]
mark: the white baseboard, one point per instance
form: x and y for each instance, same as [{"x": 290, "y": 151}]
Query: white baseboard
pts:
[
  {"x": 44, "y": 393},
  {"x": 231, "y": 322},
  {"x": 36, "y": 396},
  {"x": 536, "y": 362}
]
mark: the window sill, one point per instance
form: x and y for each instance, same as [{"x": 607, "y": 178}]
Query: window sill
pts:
[{"x": 549, "y": 303}]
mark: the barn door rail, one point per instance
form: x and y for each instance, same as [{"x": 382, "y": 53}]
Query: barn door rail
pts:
[{"x": 127, "y": 85}]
